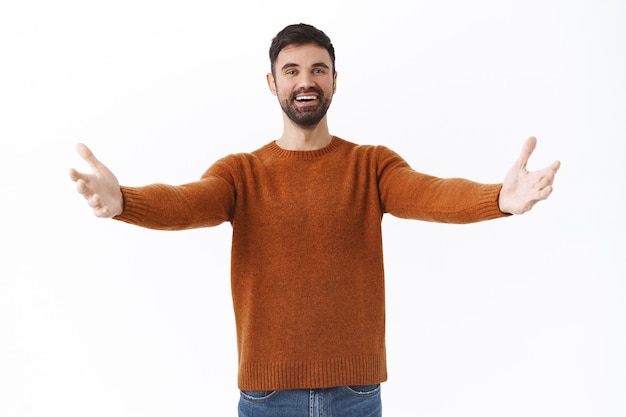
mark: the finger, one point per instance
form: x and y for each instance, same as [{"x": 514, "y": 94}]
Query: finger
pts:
[
  {"x": 83, "y": 189},
  {"x": 102, "y": 212},
  {"x": 544, "y": 193},
  {"x": 99, "y": 209},
  {"x": 546, "y": 179},
  {"x": 76, "y": 175},
  {"x": 94, "y": 201},
  {"x": 548, "y": 174},
  {"x": 527, "y": 150},
  {"x": 88, "y": 156},
  {"x": 540, "y": 195}
]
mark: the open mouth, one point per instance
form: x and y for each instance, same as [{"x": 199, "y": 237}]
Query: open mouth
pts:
[{"x": 305, "y": 99}]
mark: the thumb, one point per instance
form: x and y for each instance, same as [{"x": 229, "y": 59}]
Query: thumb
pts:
[
  {"x": 88, "y": 156},
  {"x": 527, "y": 150}
]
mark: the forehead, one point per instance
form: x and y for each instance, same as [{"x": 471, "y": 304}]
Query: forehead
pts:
[{"x": 303, "y": 55}]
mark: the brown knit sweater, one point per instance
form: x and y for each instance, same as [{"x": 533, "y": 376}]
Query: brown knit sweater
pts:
[{"x": 307, "y": 261}]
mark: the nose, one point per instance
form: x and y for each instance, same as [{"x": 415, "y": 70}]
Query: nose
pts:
[{"x": 306, "y": 80}]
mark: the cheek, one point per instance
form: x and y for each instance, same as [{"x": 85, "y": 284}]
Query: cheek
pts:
[{"x": 282, "y": 92}]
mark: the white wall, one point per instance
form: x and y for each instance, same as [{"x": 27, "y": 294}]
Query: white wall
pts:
[{"x": 520, "y": 316}]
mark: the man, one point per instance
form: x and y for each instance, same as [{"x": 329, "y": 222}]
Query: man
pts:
[{"x": 306, "y": 211}]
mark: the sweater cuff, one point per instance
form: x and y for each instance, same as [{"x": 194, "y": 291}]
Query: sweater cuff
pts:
[
  {"x": 493, "y": 210},
  {"x": 130, "y": 209}
]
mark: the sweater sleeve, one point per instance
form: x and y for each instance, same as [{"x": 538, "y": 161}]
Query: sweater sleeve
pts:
[
  {"x": 409, "y": 194},
  {"x": 203, "y": 203}
]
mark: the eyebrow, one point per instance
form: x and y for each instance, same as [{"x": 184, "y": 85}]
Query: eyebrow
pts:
[{"x": 294, "y": 65}]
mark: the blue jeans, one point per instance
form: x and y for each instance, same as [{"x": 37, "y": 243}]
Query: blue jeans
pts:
[{"x": 358, "y": 401}]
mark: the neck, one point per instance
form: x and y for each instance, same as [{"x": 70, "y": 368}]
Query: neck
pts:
[{"x": 299, "y": 138}]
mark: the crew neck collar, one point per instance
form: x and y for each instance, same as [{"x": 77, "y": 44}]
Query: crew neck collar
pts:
[{"x": 335, "y": 143}]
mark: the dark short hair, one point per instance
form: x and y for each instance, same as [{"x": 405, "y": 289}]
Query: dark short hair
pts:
[{"x": 300, "y": 34}]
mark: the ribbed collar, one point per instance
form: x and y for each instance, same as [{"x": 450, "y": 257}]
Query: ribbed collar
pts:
[{"x": 335, "y": 143}]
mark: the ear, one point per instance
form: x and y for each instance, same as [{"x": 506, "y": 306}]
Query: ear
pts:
[
  {"x": 271, "y": 83},
  {"x": 334, "y": 83}
]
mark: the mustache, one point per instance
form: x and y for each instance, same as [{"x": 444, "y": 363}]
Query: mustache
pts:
[{"x": 315, "y": 90}]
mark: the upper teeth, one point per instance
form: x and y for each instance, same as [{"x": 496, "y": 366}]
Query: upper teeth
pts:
[{"x": 306, "y": 98}]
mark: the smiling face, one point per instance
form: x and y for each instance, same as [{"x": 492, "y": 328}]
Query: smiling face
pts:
[{"x": 304, "y": 81}]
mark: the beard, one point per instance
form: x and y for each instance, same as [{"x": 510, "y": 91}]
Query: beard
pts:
[{"x": 308, "y": 116}]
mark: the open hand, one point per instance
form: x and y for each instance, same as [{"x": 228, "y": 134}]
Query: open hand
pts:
[
  {"x": 100, "y": 188},
  {"x": 522, "y": 189}
]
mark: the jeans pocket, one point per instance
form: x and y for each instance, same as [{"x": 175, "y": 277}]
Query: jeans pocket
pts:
[
  {"x": 257, "y": 396},
  {"x": 363, "y": 390}
]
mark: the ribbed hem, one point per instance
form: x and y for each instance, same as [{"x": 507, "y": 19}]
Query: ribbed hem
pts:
[
  {"x": 488, "y": 207},
  {"x": 283, "y": 375},
  {"x": 128, "y": 215}
]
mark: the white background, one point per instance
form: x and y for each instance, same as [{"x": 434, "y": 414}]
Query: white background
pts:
[{"x": 517, "y": 317}]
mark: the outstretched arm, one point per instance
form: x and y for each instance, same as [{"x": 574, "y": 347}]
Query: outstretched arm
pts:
[
  {"x": 100, "y": 188},
  {"x": 522, "y": 189}
]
